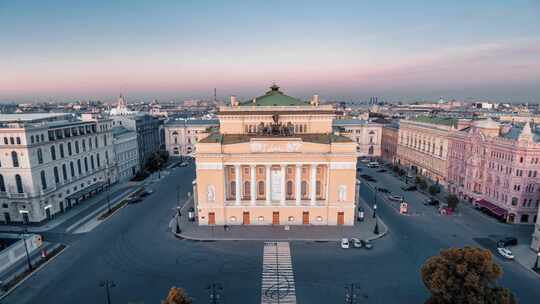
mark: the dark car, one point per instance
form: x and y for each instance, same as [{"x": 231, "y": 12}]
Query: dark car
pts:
[
  {"x": 366, "y": 176},
  {"x": 358, "y": 169},
  {"x": 383, "y": 190},
  {"x": 134, "y": 200},
  {"x": 408, "y": 188},
  {"x": 507, "y": 241},
  {"x": 366, "y": 244},
  {"x": 431, "y": 202},
  {"x": 381, "y": 170},
  {"x": 147, "y": 193},
  {"x": 183, "y": 164}
]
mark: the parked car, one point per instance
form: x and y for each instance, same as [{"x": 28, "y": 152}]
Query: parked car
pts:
[
  {"x": 408, "y": 188},
  {"x": 373, "y": 165},
  {"x": 366, "y": 244},
  {"x": 381, "y": 170},
  {"x": 506, "y": 253},
  {"x": 431, "y": 202},
  {"x": 345, "y": 243},
  {"x": 364, "y": 160},
  {"x": 183, "y": 164},
  {"x": 358, "y": 169},
  {"x": 356, "y": 243},
  {"x": 365, "y": 176},
  {"x": 134, "y": 200},
  {"x": 147, "y": 193},
  {"x": 395, "y": 198},
  {"x": 383, "y": 190},
  {"x": 507, "y": 241}
]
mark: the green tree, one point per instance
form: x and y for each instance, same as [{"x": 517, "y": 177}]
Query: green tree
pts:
[
  {"x": 464, "y": 275},
  {"x": 452, "y": 200},
  {"x": 177, "y": 296},
  {"x": 421, "y": 183},
  {"x": 433, "y": 189}
]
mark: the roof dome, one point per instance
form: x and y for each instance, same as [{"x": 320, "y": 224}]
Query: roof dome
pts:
[{"x": 486, "y": 124}]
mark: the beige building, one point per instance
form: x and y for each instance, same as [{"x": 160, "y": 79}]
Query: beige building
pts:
[
  {"x": 182, "y": 135},
  {"x": 367, "y": 135},
  {"x": 423, "y": 146},
  {"x": 275, "y": 161}
]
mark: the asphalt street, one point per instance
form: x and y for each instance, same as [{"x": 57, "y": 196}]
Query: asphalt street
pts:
[{"x": 135, "y": 250}]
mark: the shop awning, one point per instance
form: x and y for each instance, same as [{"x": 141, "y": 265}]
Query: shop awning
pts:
[
  {"x": 496, "y": 210},
  {"x": 79, "y": 194}
]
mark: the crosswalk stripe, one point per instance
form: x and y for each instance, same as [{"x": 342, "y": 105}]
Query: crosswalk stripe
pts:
[{"x": 277, "y": 275}]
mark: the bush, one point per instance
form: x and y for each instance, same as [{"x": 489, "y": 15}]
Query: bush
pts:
[
  {"x": 433, "y": 190},
  {"x": 452, "y": 200}
]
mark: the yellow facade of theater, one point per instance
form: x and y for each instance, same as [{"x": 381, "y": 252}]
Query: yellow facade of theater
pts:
[{"x": 275, "y": 161}]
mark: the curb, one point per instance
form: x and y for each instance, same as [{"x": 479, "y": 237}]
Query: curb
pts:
[{"x": 34, "y": 271}]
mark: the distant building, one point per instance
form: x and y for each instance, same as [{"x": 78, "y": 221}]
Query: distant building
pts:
[
  {"x": 126, "y": 153},
  {"x": 423, "y": 146},
  {"x": 389, "y": 142},
  {"x": 367, "y": 135},
  {"x": 50, "y": 162},
  {"x": 148, "y": 135},
  {"x": 182, "y": 135},
  {"x": 497, "y": 167},
  {"x": 535, "y": 244}
]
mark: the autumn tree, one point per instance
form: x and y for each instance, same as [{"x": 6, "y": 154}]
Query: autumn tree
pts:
[
  {"x": 177, "y": 296},
  {"x": 464, "y": 275}
]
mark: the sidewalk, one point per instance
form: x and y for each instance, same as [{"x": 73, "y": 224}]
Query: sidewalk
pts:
[
  {"x": 61, "y": 218},
  {"x": 361, "y": 230}
]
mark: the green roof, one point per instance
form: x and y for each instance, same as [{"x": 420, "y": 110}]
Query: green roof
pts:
[
  {"x": 227, "y": 139},
  {"x": 446, "y": 121},
  {"x": 275, "y": 97}
]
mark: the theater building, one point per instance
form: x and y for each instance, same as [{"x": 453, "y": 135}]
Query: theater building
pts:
[{"x": 275, "y": 160}]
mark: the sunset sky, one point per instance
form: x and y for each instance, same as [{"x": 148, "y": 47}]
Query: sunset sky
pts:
[{"x": 65, "y": 50}]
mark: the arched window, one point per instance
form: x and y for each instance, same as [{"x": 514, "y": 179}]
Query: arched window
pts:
[
  {"x": 440, "y": 151},
  {"x": 76, "y": 146},
  {"x": 72, "y": 169},
  {"x": 289, "y": 188},
  {"x": 61, "y": 150},
  {"x": 43, "y": 180},
  {"x": 98, "y": 160},
  {"x": 79, "y": 169},
  {"x": 86, "y": 164},
  {"x": 18, "y": 182},
  {"x": 2, "y": 184},
  {"x": 303, "y": 187},
  {"x": 92, "y": 162},
  {"x": 69, "y": 148},
  {"x": 370, "y": 150},
  {"x": 56, "y": 176},
  {"x": 39, "y": 156},
  {"x": 18, "y": 140},
  {"x": 64, "y": 171},
  {"x": 53, "y": 152},
  {"x": 233, "y": 188},
  {"x": 247, "y": 190},
  {"x": 15, "y": 158},
  {"x": 260, "y": 189},
  {"x": 318, "y": 188}
]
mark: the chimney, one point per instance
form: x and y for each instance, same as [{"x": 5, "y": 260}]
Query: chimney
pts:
[{"x": 234, "y": 102}]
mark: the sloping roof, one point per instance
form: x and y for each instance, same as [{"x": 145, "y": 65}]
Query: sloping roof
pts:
[
  {"x": 446, "y": 121},
  {"x": 274, "y": 97}
]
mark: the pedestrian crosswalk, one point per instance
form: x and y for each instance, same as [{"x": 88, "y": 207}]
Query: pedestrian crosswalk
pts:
[{"x": 277, "y": 274}]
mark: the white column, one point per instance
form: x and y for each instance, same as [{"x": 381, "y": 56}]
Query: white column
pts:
[
  {"x": 252, "y": 184},
  {"x": 298, "y": 187},
  {"x": 267, "y": 184},
  {"x": 283, "y": 173},
  {"x": 313, "y": 185},
  {"x": 237, "y": 176}
]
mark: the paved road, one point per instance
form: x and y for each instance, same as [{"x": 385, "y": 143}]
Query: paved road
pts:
[{"x": 134, "y": 250}]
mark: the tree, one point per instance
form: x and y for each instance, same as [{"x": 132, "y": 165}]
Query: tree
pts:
[
  {"x": 464, "y": 275},
  {"x": 452, "y": 200},
  {"x": 177, "y": 296},
  {"x": 433, "y": 189}
]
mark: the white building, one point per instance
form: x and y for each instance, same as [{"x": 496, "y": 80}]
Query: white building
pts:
[
  {"x": 50, "y": 161},
  {"x": 182, "y": 135},
  {"x": 367, "y": 135},
  {"x": 126, "y": 153}
]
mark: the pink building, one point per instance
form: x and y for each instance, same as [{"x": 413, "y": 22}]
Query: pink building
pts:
[{"x": 496, "y": 167}]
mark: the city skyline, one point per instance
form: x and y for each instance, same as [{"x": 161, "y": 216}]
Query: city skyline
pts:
[{"x": 176, "y": 50}]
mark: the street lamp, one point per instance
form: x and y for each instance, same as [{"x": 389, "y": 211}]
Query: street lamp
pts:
[
  {"x": 28, "y": 261},
  {"x": 535, "y": 268},
  {"x": 107, "y": 285},
  {"x": 374, "y": 210},
  {"x": 376, "y": 229}
]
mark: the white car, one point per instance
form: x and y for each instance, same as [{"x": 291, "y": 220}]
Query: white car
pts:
[
  {"x": 506, "y": 253},
  {"x": 364, "y": 160},
  {"x": 373, "y": 165},
  {"x": 395, "y": 198},
  {"x": 345, "y": 243}
]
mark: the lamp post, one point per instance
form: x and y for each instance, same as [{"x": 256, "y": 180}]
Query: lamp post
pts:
[
  {"x": 376, "y": 229},
  {"x": 28, "y": 261},
  {"x": 107, "y": 285},
  {"x": 535, "y": 268},
  {"x": 375, "y": 210}
]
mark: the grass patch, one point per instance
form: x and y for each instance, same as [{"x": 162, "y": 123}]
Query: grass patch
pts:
[{"x": 108, "y": 213}]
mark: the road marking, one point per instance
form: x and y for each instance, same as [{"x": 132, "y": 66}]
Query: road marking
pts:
[{"x": 277, "y": 275}]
